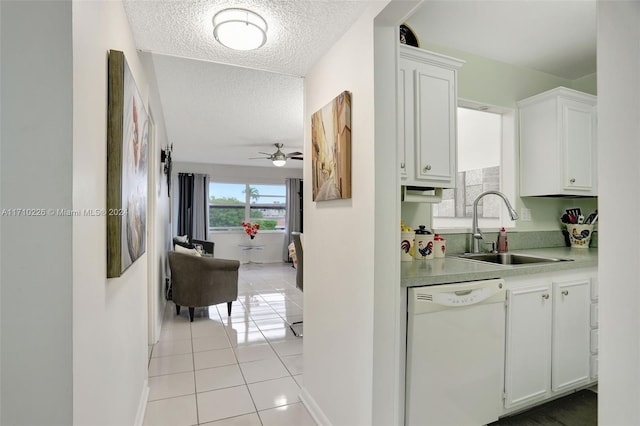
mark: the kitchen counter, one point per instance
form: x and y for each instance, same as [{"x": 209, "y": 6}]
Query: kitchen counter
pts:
[{"x": 451, "y": 269}]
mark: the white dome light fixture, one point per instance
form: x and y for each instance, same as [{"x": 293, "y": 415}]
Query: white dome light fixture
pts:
[
  {"x": 279, "y": 159},
  {"x": 239, "y": 29}
]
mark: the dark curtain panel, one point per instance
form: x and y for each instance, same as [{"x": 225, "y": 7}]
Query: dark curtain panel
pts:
[
  {"x": 185, "y": 204},
  {"x": 201, "y": 207},
  {"x": 193, "y": 206}
]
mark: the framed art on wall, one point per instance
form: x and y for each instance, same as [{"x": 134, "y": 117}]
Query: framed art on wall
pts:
[
  {"x": 331, "y": 149},
  {"x": 127, "y": 145}
]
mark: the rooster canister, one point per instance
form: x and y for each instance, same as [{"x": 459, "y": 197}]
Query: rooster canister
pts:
[
  {"x": 406, "y": 245},
  {"x": 423, "y": 244},
  {"x": 439, "y": 246}
]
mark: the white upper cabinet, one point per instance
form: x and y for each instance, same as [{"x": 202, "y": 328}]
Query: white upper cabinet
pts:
[
  {"x": 427, "y": 105},
  {"x": 558, "y": 144}
]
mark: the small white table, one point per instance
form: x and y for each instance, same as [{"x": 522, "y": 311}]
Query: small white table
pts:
[{"x": 247, "y": 249}]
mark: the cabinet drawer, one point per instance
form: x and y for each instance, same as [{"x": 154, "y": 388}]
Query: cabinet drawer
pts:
[
  {"x": 594, "y": 366},
  {"x": 594, "y": 315},
  {"x": 594, "y": 341}
]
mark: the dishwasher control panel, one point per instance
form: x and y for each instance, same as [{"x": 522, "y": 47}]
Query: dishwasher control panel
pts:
[{"x": 425, "y": 299}]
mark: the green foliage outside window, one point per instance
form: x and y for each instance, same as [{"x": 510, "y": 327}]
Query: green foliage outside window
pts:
[{"x": 266, "y": 224}]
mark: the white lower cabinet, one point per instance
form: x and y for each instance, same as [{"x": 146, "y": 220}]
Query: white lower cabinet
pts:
[
  {"x": 548, "y": 336},
  {"x": 528, "y": 340},
  {"x": 571, "y": 345}
]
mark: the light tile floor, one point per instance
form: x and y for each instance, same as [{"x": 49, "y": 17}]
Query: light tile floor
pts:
[{"x": 245, "y": 369}]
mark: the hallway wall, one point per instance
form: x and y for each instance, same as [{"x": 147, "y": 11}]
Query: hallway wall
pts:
[{"x": 110, "y": 315}]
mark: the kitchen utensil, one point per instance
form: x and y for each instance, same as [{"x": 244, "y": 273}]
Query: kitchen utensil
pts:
[
  {"x": 576, "y": 212},
  {"x": 591, "y": 218},
  {"x": 580, "y": 219},
  {"x": 565, "y": 218}
]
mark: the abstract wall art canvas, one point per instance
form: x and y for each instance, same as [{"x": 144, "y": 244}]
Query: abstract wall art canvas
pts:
[
  {"x": 127, "y": 145},
  {"x": 331, "y": 150}
]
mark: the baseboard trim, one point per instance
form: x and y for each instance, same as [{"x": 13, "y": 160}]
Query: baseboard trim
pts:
[
  {"x": 142, "y": 405},
  {"x": 314, "y": 409}
]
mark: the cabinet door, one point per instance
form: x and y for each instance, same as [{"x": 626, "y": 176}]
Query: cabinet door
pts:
[
  {"x": 571, "y": 334},
  {"x": 528, "y": 344},
  {"x": 405, "y": 117},
  {"x": 435, "y": 126},
  {"x": 578, "y": 133}
]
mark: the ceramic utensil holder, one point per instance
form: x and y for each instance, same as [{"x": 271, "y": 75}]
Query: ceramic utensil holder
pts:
[{"x": 579, "y": 235}]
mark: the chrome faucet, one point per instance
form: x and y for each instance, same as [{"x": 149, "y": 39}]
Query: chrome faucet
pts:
[{"x": 476, "y": 235}]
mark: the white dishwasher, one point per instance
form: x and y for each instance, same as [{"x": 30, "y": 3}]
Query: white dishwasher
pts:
[{"x": 455, "y": 354}]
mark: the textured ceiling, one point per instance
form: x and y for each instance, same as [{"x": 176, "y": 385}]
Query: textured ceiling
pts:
[
  {"x": 223, "y": 106},
  {"x": 298, "y": 30}
]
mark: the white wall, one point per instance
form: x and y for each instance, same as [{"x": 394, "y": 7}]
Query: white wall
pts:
[
  {"x": 241, "y": 174},
  {"x": 159, "y": 235},
  {"x": 110, "y": 315},
  {"x": 619, "y": 150},
  {"x": 227, "y": 246},
  {"x": 36, "y": 173},
  {"x": 340, "y": 237}
]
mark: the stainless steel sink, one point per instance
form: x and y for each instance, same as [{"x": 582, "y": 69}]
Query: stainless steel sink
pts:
[{"x": 510, "y": 258}]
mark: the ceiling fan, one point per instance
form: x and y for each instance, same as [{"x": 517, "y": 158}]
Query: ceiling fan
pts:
[{"x": 279, "y": 158}]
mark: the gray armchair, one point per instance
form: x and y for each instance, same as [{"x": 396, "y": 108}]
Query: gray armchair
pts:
[{"x": 202, "y": 281}]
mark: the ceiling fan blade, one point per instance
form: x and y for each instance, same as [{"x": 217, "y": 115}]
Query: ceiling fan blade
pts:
[
  {"x": 296, "y": 158},
  {"x": 265, "y": 153},
  {"x": 294, "y": 154},
  {"x": 259, "y": 158}
]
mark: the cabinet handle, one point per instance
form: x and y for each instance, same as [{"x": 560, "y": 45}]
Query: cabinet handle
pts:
[
  {"x": 427, "y": 168},
  {"x": 545, "y": 296},
  {"x": 565, "y": 292},
  {"x": 402, "y": 165},
  {"x": 572, "y": 180}
]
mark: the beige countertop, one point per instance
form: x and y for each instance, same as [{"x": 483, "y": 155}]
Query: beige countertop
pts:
[{"x": 451, "y": 269}]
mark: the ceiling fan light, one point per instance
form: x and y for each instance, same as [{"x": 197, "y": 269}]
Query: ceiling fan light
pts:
[
  {"x": 239, "y": 29},
  {"x": 279, "y": 162}
]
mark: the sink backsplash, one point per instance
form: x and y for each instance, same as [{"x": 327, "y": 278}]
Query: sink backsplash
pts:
[{"x": 461, "y": 243}]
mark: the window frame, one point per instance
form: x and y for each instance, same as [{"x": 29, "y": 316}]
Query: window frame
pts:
[
  {"x": 248, "y": 205},
  {"x": 508, "y": 176}
]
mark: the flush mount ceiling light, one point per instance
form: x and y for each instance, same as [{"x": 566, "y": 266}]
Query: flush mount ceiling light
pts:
[{"x": 239, "y": 29}]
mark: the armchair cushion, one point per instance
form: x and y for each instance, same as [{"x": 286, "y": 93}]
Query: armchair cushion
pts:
[
  {"x": 207, "y": 246},
  {"x": 181, "y": 249},
  {"x": 182, "y": 242}
]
